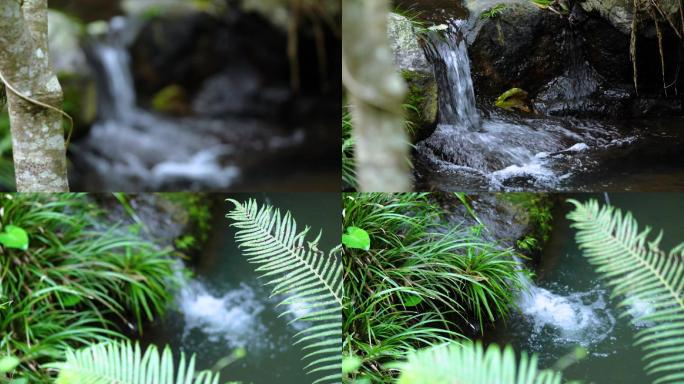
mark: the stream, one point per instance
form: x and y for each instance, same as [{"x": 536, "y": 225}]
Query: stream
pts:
[
  {"x": 224, "y": 306},
  {"x": 476, "y": 147},
  {"x": 567, "y": 306},
  {"x": 131, "y": 148}
]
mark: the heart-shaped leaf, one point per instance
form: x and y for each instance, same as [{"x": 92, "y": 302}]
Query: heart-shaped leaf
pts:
[
  {"x": 356, "y": 238},
  {"x": 8, "y": 363},
  {"x": 14, "y": 237}
]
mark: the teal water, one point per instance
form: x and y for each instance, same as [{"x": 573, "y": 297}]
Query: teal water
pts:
[
  {"x": 569, "y": 306},
  {"x": 225, "y": 307}
]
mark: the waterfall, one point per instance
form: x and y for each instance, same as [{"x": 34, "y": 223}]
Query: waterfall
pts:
[
  {"x": 448, "y": 52},
  {"x": 130, "y": 148},
  {"x": 117, "y": 92}
]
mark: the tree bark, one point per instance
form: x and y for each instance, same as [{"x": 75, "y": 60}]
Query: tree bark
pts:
[
  {"x": 376, "y": 93},
  {"x": 37, "y": 135}
]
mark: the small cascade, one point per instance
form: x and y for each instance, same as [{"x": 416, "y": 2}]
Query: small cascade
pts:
[
  {"x": 117, "y": 92},
  {"x": 448, "y": 52},
  {"x": 499, "y": 150},
  {"x": 130, "y": 148}
]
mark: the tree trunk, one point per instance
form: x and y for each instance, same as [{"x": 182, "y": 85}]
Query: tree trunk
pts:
[
  {"x": 37, "y": 136},
  {"x": 376, "y": 92}
]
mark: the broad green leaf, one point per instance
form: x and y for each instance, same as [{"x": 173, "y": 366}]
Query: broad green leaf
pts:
[
  {"x": 351, "y": 364},
  {"x": 356, "y": 238},
  {"x": 14, "y": 237},
  {"x": 8, "y": 363}
]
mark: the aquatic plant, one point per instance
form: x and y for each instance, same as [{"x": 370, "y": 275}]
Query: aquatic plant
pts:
[
  {"x": 493, "y": 12},
  {"x": 419, "y": 283},
  {"x": 125, "y": 363},
  {"x": 640, "y": 272},
  {"x": 72, "y": 281},
  {"x": 303, "y": 273},
  {"x": 471, "y": 363},
  {"x": 513, "y": 98}
]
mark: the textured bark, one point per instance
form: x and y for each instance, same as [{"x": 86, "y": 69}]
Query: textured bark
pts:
[
  {"x": 376, "y": 92},
  {"x": 37, "y": 135}
]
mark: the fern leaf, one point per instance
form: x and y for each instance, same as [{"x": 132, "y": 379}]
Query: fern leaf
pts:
[
  {"x": 638, "y": 271},
  {"x": 469, "y": 363},
  {"x": 307, "y": 276},
  {"x": 124, "y": 363}
]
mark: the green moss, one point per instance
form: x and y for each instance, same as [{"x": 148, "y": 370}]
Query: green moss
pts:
[
  {"x": 537, "y": 207},
  {"x": 514, "y": 98},
  {"x": 198, "y": 209},
  {"x": 171, "y": 99},
  {"x": 80, "y": 99},
  {"x": 421, "y": 101}
]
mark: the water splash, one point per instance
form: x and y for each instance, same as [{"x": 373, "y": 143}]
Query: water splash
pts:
[
  {"x": 572, "y": 318},
  {"x": 233, "y": 317}
]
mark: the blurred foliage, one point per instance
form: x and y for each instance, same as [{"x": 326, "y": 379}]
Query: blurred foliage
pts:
[
  {"x": 171, "y": 99},
  {"x": 6, "y": 162}
]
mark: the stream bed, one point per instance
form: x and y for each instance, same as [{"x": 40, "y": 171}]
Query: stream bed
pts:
[
  {"x": 567, "y": 306},
  {"x": 567, "y": 138},
  {"x": 225, "y": 307}
]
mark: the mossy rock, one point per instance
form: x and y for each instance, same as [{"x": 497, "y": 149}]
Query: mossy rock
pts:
[
  {"x": 172, "y": 100},
  {"x": 80, "y": 101},
  {"x": 422, "y": 104}
]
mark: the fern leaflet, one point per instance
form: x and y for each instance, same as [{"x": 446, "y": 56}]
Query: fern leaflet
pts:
[
  {"x": 298, "y": 269},
  {"x": 124, "y": 363},
  {"x": 640, "y": 272},
  {"x": 471, "y": 364}
]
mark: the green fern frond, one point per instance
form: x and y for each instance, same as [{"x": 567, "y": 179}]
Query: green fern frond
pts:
[
  {"x": 639, "y": 271},
  {"x": 124, "y": 363},
  {"x": 470, "y": 363},
  {"x": 298, "y": 269}
]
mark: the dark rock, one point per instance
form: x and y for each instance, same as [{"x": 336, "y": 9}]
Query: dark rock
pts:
[
  {"x": 523, "y": 48},
  {"x": 577, "y": 65},
  {"x": 189, "y": 49}
]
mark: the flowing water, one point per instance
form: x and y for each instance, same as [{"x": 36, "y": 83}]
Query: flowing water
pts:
[
  {"x": 225, "y": 306},
  {"x": 494, "y": 150},
  {"x": 131, "y": 148},
  {"x": 566, "y": 306}
]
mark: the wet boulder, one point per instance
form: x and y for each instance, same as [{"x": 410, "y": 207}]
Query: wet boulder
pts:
[
  {"x": 199, "y": 53},
  {"x": 620, "y": 12},
  {"x": 417, "y": 71},
  {"x": 521, "y": 47},
  {"x": 577, "y": 64}
]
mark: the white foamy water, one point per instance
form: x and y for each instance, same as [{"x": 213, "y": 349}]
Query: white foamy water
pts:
[
  {"x": 233, "y": 317},
  {"x": 575, "y": 318}
]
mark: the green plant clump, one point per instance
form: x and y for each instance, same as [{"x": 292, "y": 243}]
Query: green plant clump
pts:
[
  {"x": 418, "y": 283},
  {"x": 71, "y": 280},
  {"x": 493, "y": 11}
]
